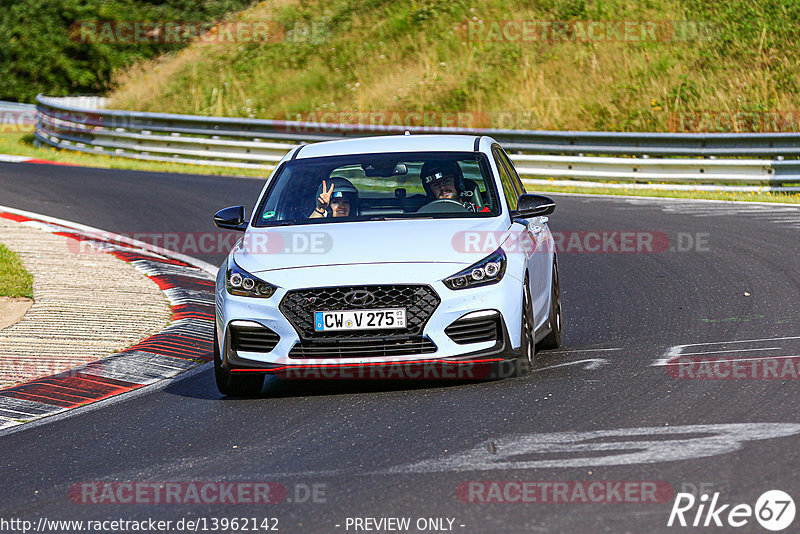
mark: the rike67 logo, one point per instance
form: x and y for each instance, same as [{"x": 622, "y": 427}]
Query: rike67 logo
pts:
[{"x": 774, "y": 510}]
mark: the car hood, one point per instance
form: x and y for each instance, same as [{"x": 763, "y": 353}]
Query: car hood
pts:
[{"x": 433, "y": 241}]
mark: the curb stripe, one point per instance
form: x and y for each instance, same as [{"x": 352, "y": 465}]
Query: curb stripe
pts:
[
  {"x": 48, "y": 162},
  {"x": 14, "y": 217},
  {"x": 182, "y": 345},
  {"x": 8, "y": 158}
]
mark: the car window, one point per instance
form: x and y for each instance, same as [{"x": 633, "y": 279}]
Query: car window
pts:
[
  {"x": 505, "y": 179},
  {"x": 380, "y": 186},
  {"x": 518, "y": 186}
]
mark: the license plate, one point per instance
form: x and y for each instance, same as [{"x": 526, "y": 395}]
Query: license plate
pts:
[{"x": 329, "y": 321}]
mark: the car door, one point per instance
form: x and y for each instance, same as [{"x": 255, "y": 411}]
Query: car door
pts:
[{"x": 540, "y": 259}]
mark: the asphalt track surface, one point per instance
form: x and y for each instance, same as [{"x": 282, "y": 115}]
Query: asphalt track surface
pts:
[{"x": 400, "y": 448}]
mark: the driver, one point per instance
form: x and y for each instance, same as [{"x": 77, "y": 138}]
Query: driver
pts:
[
  {"x": 340, "y": 200},
  {"x": 445, "y": 181}
]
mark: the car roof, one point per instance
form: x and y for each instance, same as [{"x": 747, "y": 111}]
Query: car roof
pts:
[{"x": 389, "y": 143}]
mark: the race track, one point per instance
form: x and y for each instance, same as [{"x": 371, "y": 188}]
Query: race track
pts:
[{"x": 401, "y": 449}]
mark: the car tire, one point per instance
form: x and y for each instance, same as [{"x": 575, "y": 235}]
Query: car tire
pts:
[
  {"x": 553, "y": 339},
  {"x": 527, "y": 345},
  {"x": 234, "y": 385}
]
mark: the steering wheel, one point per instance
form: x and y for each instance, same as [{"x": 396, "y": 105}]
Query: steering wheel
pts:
[{"x": 443, "y": 205}]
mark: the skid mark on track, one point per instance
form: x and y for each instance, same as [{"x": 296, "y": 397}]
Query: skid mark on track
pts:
[
  {"x": 587, "y": 364},
  {"x": 597, "y": 448},
  {"x": 656, "y": 444},
  {"x": 785, "y": 216},
  {"x": 591, "y": 364},
  {"x": 571, "y": 351},
  {"x": 740, "y": 350}
]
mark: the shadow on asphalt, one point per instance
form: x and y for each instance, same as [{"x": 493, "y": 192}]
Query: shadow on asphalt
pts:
[{"x": 202, "y": 386}]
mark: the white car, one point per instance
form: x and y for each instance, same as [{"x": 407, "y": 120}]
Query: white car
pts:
[{"x": 418, "y": 255}]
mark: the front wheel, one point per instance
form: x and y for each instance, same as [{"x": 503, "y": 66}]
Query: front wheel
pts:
[
  {"x": 527, "y": 346},
  {"x": 234, "y": 385},
  {"x": 553, "y": 339}
]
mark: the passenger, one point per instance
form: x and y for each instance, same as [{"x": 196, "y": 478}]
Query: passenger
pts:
[
  {"x": 341, "y": 200},
  {"x": 445, "y": 181}
]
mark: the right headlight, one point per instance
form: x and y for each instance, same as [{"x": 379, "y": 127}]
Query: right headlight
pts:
[
  {"x": 489, "y": 270},
  {"x": 240, "y": 282}
]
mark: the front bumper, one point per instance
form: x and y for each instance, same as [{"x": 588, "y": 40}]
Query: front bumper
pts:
[
  {"x": 503, "y": 297},
  {"x": 487, "y": 363}
]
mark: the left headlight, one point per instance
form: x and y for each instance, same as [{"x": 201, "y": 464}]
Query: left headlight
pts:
[
  {"x": 240, "y": 282},
  {"x": 489, "y": 270}
]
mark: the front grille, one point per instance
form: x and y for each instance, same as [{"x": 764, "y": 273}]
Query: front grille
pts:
[
  {"x": 475, "y": 330},
  {"x": 372, "y": 348},
  {"x": 253, "y": 339},
  {"x": 299, "y": 305}
]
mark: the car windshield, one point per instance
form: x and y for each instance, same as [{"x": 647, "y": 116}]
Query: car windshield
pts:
[{"x": 380, "y": 187}]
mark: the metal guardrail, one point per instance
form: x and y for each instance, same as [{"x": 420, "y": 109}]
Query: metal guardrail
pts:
[
  {"x": 16, "y": 106},
  {"x": 84, "y": 125}
]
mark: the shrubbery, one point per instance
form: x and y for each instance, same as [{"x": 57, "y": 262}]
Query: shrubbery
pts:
[{"x": 38, "y": 54}]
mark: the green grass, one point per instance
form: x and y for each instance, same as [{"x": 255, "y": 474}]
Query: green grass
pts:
[
  {"x": 21, "y": 144},
  {"x": 405, "y": 57},
  {"x": 783, "y": 198},
  {"x": 15, "y": 281}
]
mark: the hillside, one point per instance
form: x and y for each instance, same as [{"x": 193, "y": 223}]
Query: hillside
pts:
[
  {"x": 43, "y": 48},
  {"x": 684, "y": 64}
]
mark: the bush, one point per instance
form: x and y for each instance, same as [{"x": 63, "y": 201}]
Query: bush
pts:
[{"x": 40, "y": 53}]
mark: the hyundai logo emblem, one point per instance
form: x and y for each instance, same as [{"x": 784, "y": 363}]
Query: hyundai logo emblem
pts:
[{"x": 359, "y": 297}]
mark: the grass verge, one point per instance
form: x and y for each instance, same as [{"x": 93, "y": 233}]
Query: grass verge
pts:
[
  {"x": 710, "y": 66},
  {"x": 15, "y": 281},
  {"x": 21, "y": 144}
]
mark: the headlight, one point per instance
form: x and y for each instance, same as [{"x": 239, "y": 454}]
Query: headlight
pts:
[
  {"x": 489, "y": 270},
  {"x": 240, "y": 282}
]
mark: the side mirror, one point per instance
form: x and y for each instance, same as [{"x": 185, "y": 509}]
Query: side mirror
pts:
[
  {"x": 533, "y": 206},
  {"x": 231, "y": 219}
]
